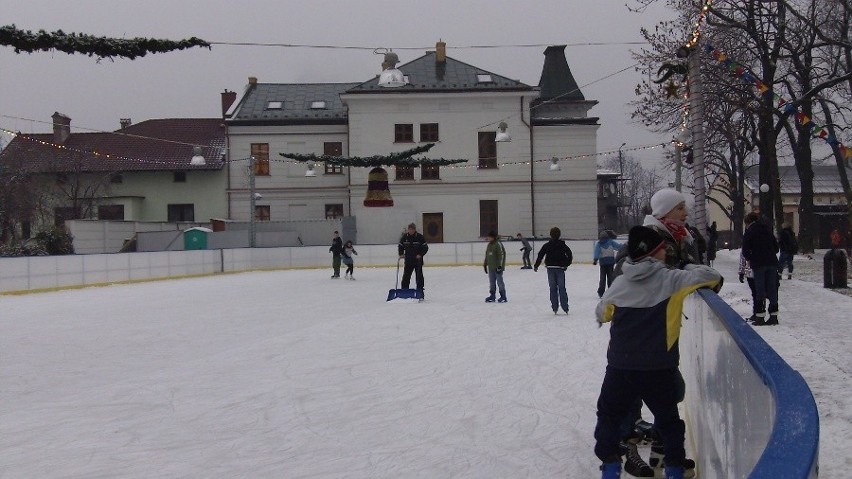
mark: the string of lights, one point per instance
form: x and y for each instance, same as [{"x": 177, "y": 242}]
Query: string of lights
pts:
[
  {"x": 460, "y": 47},
  {"x": 471, "y": 163}
]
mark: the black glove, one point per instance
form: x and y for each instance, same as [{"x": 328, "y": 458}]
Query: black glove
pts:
[
  {"x": 742, "y": 278},
  {"x": 718, "y": 287},
  {"x": 521, "y": 249},
  {"x": 485, "y": 268},
  {"x": 595, "y": 262},
  {"x": 499, "y": 270}
]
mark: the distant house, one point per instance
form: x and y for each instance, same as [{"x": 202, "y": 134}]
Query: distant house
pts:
[
  {"x": 140, "y": 172},
  {"x": 509, "y": 187},
  {"x": 830, "y": 208}
]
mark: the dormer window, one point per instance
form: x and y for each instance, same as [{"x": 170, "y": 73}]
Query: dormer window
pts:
[
  {"x": 318, "y": 105},
  {"x": 484, "y": 78},
  {"x": 275, "y": 105}
]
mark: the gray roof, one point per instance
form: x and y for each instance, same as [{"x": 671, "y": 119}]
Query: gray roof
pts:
[
  {"x": 826, "y": 179},
  {"x": 296, "y": 100},
  {"x": 427, "y": 75}
]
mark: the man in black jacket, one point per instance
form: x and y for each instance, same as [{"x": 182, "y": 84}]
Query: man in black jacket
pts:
[
  {"x": 557, "y": 258},
  {"x": 336, "y": 250},
  {"x": 412, "y": 247},
  {"x": 760, "y": 249}
]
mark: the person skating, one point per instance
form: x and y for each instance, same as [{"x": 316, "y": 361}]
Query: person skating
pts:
[
  {"x": 348, "y": 260},
  {"x": 605, "y": 251},
  {"x": 494, "y": 264},
  {"x": 644, "y": 306},
  {"x": 412, "y": 247},
  {"x": 526, "y": 249},
  {"x": 557, "y": 258},
  {"x": 336, "y": 250},
  {"x": 759, "y": 249}
]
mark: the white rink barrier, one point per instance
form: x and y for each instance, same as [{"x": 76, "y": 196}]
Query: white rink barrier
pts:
[
  {"x": 748, "y": 412},
  {"x": 52, "y": 272}
]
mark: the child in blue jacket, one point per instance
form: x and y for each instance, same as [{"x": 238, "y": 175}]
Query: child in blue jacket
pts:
[{"x": 606, "y": 249}]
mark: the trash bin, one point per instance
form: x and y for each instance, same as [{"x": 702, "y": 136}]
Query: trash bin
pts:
[
  {"x": 195, "y": 238},
  {"x": 834, "y": 269}
]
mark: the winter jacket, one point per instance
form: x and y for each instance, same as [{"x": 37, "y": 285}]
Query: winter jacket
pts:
[
  {"x": 645, "y": 305},
  {"x": 787, "y": 242},
  {"x": 495, "y": 256},
  {"x": 336, "y": 247},
  {"x": 606, "y": 250},
  {"x": 347, "y": 255},
  {"x": 678, "y": 253},
  {"x": 411, "y": 246},
  {"x": 760, "y": 246},
  {"x": 556, "y": 254}
]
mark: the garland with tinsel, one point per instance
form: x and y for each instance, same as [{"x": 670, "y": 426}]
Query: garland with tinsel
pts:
[
  {"x": 101, "y": 47},
  {"x": 402, "y": 158}
]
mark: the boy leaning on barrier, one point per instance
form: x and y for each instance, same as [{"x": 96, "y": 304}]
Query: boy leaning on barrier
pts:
[{"x": 645, "y": 305}]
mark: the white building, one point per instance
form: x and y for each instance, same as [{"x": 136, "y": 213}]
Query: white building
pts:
[{"x": 508, "y": 187}]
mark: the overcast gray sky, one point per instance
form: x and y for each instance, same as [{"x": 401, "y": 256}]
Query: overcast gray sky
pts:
[{"x": 95, "y": 94}]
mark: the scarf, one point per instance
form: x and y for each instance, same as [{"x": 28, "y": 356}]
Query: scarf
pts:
[{"x": 676, "y": 228}]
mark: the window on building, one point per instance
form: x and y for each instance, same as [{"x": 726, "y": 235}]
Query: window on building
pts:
[
  {"x": 262, "y": 213},
  {"x": 404, "y": 173},
  {"x": 333, "y": 148},
  {"x": 333, "y": 211},
  {"x": 62, "y": 213},
  {"x": 430, "y": 172},
  {"x": 428, "y": 132},
  {"x": 111, "y": 212},
  {"x": 116, "y": 178},
  {"x": 403, "y": 133},
  {"x": 260, "y": 153},
  {"x": 179, "y": 177},
  {"x": 181, "y": 212},
  {"x": 275, "y": 105},
  {"x": 484, "y": 78},
  {"x": 487, "y": 149},
  {"x": 487, "y": 217},
  {"x": 318, "y": 105}
]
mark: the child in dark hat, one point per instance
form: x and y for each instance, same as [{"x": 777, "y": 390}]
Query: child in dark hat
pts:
[{"x": 644, "y": 305}]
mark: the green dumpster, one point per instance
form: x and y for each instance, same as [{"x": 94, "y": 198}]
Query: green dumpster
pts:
[{"x": 195, "y": 238}]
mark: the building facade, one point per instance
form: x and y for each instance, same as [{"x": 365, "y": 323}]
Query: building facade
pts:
[{"x": 508, "y": 187}]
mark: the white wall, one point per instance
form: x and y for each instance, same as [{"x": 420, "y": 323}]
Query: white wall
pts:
[{"x": 47, "y": 272}]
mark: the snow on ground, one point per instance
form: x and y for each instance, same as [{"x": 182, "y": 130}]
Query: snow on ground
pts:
[{"x": 292, "y": 374}]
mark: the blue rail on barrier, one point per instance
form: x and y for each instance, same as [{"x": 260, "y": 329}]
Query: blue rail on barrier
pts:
[{"x": 793, "y": 447}]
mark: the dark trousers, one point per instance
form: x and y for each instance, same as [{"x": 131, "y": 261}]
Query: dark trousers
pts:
[
  {"x": 607, "y": 275},
  {"x": 350, "y": 267},
  {"x": 661, "y": 390},
  {"x": 335, "y": 264},
  {"x": 765, "y": 288},
  {"x": 527, "y": 258},
  {"x": 416, "y": 267},
  {"x": 785, "y": 259}
]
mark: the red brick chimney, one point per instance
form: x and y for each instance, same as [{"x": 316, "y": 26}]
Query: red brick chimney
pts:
[
  {"x": 440, "y": 52},
  {"x": 61, "y": 127},
  {"x": 228, "y": 99}
]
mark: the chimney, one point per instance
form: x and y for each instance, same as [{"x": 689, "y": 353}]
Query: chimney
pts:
[
  {"x": 61, "y": 127},
  {"x": 441, "y": 52},
  {"x": 252, "y": 81},
  {"x": 556, "y": 78},
  {"x": 228, "y": 99},
  {"x": 124, "y": 122}
]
